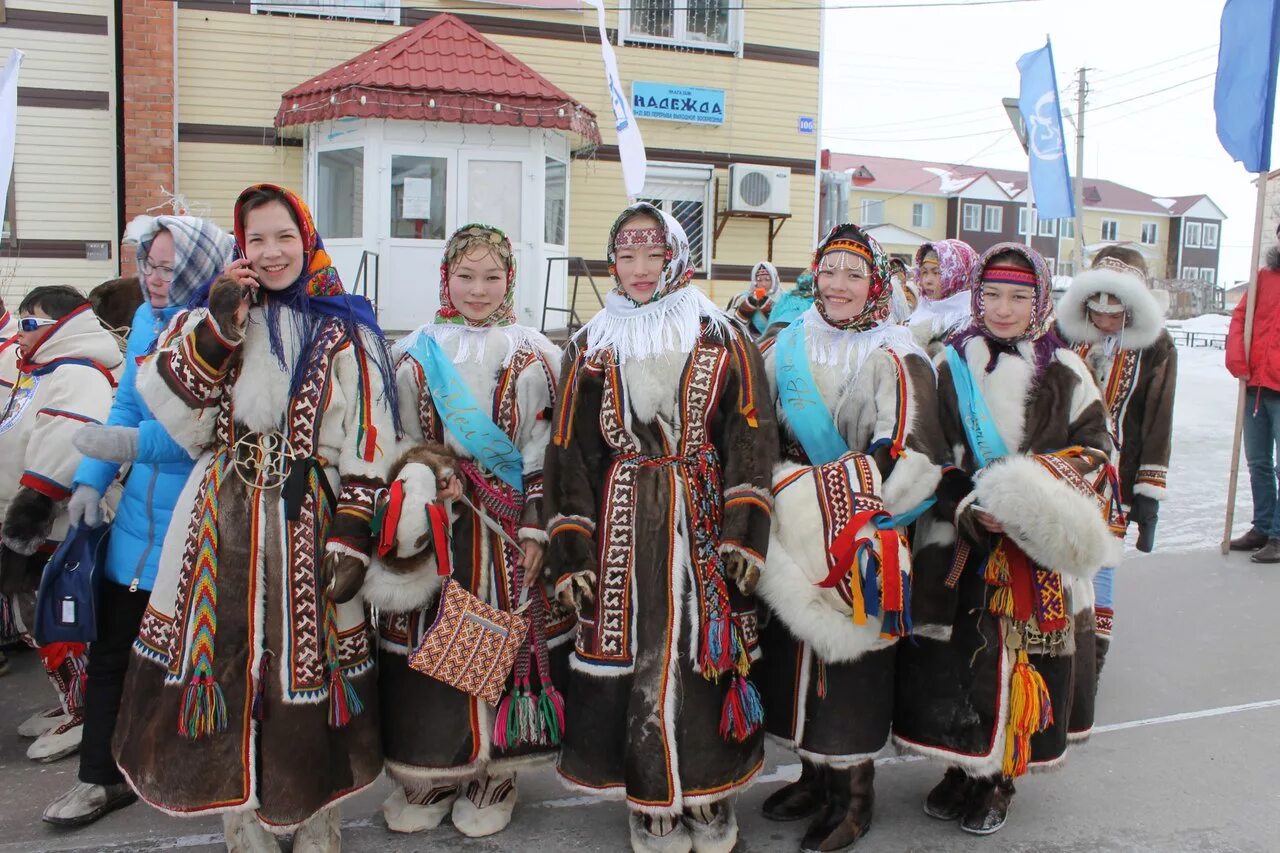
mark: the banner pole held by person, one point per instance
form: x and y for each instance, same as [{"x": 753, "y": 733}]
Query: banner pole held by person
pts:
[
  {"x": 630, "y": 144},
  {"x": 1244, "y": 99},
  {"x": 1047, "y": 171}
]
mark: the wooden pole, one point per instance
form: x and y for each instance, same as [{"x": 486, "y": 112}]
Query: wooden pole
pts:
[{"x": 1250, "y": 303}]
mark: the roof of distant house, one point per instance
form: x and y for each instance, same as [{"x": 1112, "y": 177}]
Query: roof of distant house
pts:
[{"x": 927, "y": 177}]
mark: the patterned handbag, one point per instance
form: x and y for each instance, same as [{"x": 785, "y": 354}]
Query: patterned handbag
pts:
[{"x": 471, "y": 645}]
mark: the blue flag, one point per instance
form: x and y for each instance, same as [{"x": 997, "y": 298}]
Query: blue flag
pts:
[
  {"x": 1244, "y": 95},
  {"x": 1042, "y": 115}
]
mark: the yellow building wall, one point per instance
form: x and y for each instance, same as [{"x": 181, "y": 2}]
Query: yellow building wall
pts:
[
  {"x": 1129, "y": 230},
  {"x": 898, "y": 211},
  {"x": 212, "y": 174},
  {"x": 79, "y": 7},
  {"x": 20, "y": 275}
]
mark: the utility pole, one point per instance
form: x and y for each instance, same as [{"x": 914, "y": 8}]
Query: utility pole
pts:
[{"x": 1082, "y": 91}]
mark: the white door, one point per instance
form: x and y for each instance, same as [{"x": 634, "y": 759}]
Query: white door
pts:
[
  {"x": 495, "y": 189},
  {"x": 418, "y": 203}
]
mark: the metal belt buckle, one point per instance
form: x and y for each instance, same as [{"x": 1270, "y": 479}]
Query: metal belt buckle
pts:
[{"x": 262, "y": 460}]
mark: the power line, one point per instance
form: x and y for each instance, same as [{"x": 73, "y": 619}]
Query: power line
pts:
[
  {"x": 849, "y": 138},
  {"x": 1119, "y": 74},
  {"x": 1156, "y": 92}
]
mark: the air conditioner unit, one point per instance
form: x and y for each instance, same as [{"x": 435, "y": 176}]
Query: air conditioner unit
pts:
[{"x": 759, "y": 189}]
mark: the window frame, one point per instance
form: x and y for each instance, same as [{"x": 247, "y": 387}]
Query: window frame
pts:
[
  {"x": 388, "y": 13},
  {"x": 690, "y": 178},
  {"x": 1204, "y": 235},
  {"x": 965, "y": 209},
  {"x": 1208, "y": 275},
  {"x": 925, "y": 209},
  {"x": 1190, "y": 274},
  {"x": 1155, "y": 234},
  {"x": 1187, "y": 228},
  {"x": 1067, "y": 229},
  {"x": 1115, "y": 230},
  {"x": 1050, "y": 224},
  {"x": 866, "y": 204},
  {"x": 358, "y": 218},
  {"x": 680, "y": 31},
  {"x": 987, "y": 210}
]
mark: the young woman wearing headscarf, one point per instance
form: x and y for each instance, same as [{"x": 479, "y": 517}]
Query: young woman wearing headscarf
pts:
[
  {"x": 855, "y": 400},
  {"x": 177, "y": 255},
  {"x": 657, "y": 487},
  {"x": 480, "y": 387},
  {"x": 1032, "y": 496},
  {"x": 943, "y": 269},
  {"x": 251, "y": 691}
]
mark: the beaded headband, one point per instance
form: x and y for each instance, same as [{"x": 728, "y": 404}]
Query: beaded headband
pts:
[
  {"x": 1001, "y": 274},
  {"x": 848, "y": 246},
  {"x": 639, "y": 237},
  {"x": 1117, "y": 265},
  {"x": 1099, "y": 307}
]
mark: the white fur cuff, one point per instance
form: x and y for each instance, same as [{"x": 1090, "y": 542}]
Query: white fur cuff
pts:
[
  {"x": 536, "y": 534},
  {"x": 1152, "y": 491},
  {"x": 346, "y": 551},
  {"x": 752, "y": 559}
]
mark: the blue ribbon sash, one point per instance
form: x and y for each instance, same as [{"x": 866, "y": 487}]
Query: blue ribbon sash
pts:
[
  {"x": 979, "y": 425},
  {"x": 802, "y": 403},
  {"x": 466, "y": 418}
]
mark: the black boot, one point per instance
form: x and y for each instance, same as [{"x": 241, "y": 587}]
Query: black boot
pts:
[
  {"x": 988, "y": 806},
  {"x": 1100, "y": 646},
  {"x": 948, "y": 798},
  {"x": 1251, "y": 540},
  {"x": 1269, "y": 553},
  {"x": 800, "y": 799},
  {"x": 847, "y": 814}
]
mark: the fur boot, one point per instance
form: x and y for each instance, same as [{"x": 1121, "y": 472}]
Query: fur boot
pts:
[
  {"x": 712, "y": 828},
  {"x": 244, "y": 834},
  {"x": 800, "y": 799},
  {"x": 948, "y": 798},
  {"x": 486, "y": 805},
  {"x": 320, "y": 833},
  {"x": 847, "y": 815},
  {"x": 988, "y": 807},
  {"x": 659, "y": 834},
  {"x": 418, "y": 811}
]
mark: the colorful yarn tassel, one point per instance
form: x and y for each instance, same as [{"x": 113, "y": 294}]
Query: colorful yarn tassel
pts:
[
  {"x": 204, "y": 710},
  {"x": 344, "y": 702},
  {"x": 742, "y": 713},
  {"x": 1030, "y": 712},
  {"x": 551, "y": 713},
  {"x": 717, "y": 647}
]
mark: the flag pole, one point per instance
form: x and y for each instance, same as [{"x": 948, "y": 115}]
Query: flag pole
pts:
[{"x": 1251, "y": 300}]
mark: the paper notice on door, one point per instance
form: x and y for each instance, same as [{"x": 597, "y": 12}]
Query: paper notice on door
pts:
[{"x": 417, "y": 199}]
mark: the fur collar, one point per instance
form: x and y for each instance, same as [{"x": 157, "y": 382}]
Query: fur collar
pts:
[
  {"x": 1006, "y": 388},
  {"x": 1146, "y": 319},
  {"x": 261, "y": 392}
]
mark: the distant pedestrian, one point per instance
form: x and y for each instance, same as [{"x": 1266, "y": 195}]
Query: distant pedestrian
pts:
[
  {"x": 752, "y": 307},
  {"x": 1261, "y": 373}
]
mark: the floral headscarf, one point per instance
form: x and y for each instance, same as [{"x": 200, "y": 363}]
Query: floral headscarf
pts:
[
  {"x": 956, "y": 260},
  {"x": 677, "y": 270},
  {"x": 463, "y": 241},
  {"x": 852, "y": 239},
  {"x": 1039, "y": 331}
]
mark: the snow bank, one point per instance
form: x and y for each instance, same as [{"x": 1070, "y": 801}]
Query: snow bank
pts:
[{"x": 1204, "y": 323}]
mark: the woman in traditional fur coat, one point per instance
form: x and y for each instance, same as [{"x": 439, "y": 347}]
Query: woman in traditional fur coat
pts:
[
  {"x": 483, "y": 385},
  {"x": 657, "y": 484},
  {"x": 1031, "y": 497},
  {"x": 1116, "y": 324},
  {"x": 943, "y": 269},
  {"x": 751, "y": 307},
  {"x": 251, "y": 692},
  {"x": 844, "y": 378}
]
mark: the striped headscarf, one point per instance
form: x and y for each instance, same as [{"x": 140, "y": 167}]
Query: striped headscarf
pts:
[{"x": 201, "y": 251}]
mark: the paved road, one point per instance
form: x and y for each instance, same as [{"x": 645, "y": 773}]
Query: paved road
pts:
[{"x": 1185, "y": 757}]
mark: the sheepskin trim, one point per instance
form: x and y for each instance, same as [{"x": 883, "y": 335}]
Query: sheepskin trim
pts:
[
  {"x": 841, "y": 762},
  {"x": 1151, "y": 482},
  {"x": 965, "y": 502},
  {"x": 411, "y": 775},
  {"x": 576, "y": 523},
  {"x": 1082, "y": 596},
  {"x": 1155, "y": 492},
  {"x": 1058, "y": 527},
  {"x": 534, "y": 534},
  {"x": 1146, "y": 319},
  {"x": 753, "y": 559},
  {"x": 399, "y": 591},
  {"x": 335, "y": 547},
  {"x": 805, "y": 608},
  {"x": 912, "y": 481}
]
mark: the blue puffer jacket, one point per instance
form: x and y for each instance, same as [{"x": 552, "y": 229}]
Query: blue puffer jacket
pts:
[{"x": 157, "y": 476}]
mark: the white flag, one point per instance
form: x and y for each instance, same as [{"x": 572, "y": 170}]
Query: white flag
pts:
[
  {"x": 630, "y": 145},
  {"x": 8, "y": 123}
]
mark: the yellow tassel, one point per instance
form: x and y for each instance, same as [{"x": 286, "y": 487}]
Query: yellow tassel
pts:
[
  {"x": 1030, "y": 712},
  {"x": 1001, "y": 603},
  {"x": 997, "y": 573},
  {"x": 855, "y": 589}
]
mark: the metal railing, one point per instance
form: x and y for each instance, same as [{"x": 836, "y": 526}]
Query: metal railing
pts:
[
  {"x": 361, "y": 285},
  {"x": 578, "y": 266},
  {"x": 1187, "y": 338}
]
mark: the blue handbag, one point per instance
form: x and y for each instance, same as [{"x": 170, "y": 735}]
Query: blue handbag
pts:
[{"x": 67, "y": 603}]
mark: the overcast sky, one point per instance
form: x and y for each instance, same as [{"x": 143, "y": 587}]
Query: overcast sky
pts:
[{"x": 926, "y": 83}]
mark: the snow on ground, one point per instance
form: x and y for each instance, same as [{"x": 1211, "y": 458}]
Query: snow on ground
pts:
[
  {"x": 1203, "y": 416},
  {"x": 1203, "y": 323}
]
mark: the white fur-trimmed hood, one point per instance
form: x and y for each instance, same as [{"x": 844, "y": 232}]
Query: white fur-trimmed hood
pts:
[{"x": 1146, "y": 315}]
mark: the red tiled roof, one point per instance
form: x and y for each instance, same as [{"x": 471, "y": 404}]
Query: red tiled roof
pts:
[
  {"x": 441, "y": 70},
  {"x": 1183, "y": 203},
  {"x": 896, "y": 174}
]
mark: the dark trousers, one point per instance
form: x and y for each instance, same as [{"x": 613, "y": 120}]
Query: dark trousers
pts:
[{"x": 119, "y": 617}]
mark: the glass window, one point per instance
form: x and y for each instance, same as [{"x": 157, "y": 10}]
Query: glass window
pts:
[
  {"x": 340, "y": 193},
  {"x": 1191, "y": 235},
  {"x": 1067, "y": 229},
  {"x": 872, "y": 212},
  {"x": 1022, "y": 220},
  {"x": 691, "y": 214},
  {"x": 555, "y": 202},
  {"x": 376, "y": 10},
  {"x": 698, "y": 23},
  {"x": 993, "y": 218},
  {"x": 1209, "y": 236},
  {"x": 1150, "y": 230},
  {"x": 922, "y": 215},
  {"x": 418, "y": 191},
  {"x": 1207, "y": 274},
  {"x": 973, "y": 217},
  {"x": 1110, "y": 228},
  {"x": 1067, "y": 268},
  {"x": 1047, "y": 227},
  {"x": 1190, "y": 273},
  {"x": 493, "y": 194}
]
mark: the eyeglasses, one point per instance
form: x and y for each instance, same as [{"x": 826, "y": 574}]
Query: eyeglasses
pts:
[
  {"x": 30, "y": 324},
  {"x": 147, "y": 268}
]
